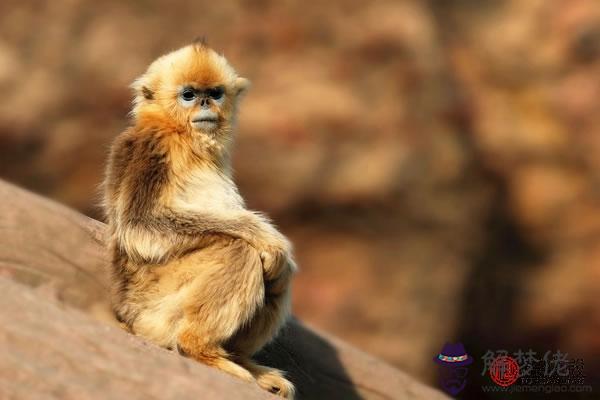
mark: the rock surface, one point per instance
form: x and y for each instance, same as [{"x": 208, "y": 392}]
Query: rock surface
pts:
[{"x": 53, "y": 277}]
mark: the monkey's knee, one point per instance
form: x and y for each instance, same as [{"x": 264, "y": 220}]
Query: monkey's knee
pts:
[{"x": 227, "y": 291}]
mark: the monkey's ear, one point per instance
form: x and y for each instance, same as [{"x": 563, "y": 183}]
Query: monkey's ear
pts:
[
  {"x": 241, "y": 85},
  {"x": 142, "y": 89},
  {"x": 148, "y": 94}
]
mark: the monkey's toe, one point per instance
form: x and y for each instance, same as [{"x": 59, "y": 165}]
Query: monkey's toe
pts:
[
  {"x": 275, "y": 389},
  {"x": 274, "y": 382}
]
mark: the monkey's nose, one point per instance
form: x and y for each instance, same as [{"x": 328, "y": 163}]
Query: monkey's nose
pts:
[{"x": 204, "y": 102}]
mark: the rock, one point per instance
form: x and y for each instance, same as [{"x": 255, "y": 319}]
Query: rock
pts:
[{"x": 53, "y": 279}]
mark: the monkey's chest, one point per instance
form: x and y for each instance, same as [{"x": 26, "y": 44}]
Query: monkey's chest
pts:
[{"x": 200, "y": 191}]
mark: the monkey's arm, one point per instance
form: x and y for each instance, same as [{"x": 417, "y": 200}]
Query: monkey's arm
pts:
[
  {"x": 163, "y": 234},
  {"x": 150, "y": 232},
  {"x": 254, "y": 228}
]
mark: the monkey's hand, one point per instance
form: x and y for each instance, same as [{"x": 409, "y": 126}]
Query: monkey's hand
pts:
[
  {"x": 277, "y": 259},
  {"x": 278, "y": 284}
]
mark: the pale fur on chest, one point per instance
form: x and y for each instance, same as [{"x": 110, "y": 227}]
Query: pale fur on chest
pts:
[{"x": 204, "y": 189}]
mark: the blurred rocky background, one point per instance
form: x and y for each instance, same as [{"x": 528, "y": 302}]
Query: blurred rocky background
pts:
[{"x": 436, "y": 163}]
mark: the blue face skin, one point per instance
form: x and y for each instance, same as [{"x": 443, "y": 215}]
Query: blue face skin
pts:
[
  {"x": 205, "y": 99},
  {"x": 453, "y": 379}
]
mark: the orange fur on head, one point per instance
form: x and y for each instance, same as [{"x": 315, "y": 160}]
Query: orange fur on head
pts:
[{"x": 197, "y": 66}]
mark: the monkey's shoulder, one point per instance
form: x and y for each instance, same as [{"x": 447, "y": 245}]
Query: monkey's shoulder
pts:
[{"x": 139, "y": 143}]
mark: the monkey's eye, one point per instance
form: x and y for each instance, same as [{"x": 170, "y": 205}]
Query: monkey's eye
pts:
[
  {"x": 216, "y": 93},
  {"x": 188, "y": 94}
]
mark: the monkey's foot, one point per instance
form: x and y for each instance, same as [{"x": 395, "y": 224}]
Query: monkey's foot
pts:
[{"x": 274, "y": 382}]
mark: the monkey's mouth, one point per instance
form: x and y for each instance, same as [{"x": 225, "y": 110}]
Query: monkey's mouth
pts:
[
  {"x": 205, "y": 119},
  {"x": 205, "y": 123}
]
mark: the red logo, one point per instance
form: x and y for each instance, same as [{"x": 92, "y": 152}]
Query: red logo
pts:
[{"x": 504, "y": 371}]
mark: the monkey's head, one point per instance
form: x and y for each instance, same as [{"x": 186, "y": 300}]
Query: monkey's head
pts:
[{"x": 194, "y": 87}]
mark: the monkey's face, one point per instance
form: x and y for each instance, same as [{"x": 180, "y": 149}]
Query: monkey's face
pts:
[
  {"x": 205, "y": 103},
  {"x": 194, "y": 87}
]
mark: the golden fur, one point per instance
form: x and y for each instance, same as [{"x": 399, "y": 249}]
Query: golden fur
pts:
[{"x": 193, "y": 269}]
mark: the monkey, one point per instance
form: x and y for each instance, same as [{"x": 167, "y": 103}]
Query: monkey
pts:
[{"x": 193, "y": 269}]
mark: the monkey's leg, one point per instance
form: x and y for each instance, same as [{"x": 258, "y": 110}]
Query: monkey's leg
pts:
[
  {"x": 193, "y": 345},
  {"x": 225, "y": 295},
  {"x": 263, "y": 327},
  {"x": 270, "y": 379}
]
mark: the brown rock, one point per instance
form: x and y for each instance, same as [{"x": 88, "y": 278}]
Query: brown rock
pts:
[{"x": 52, "y": 350}]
